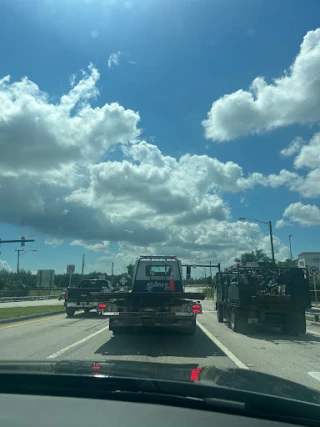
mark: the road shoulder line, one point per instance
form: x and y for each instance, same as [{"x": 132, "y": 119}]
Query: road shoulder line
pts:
[{"x": 223, "y": 348}]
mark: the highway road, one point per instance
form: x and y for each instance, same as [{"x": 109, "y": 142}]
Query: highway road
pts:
[{"x": 88, "y": 338}]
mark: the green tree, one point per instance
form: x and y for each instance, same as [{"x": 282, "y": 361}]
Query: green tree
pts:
[{"x": 254, "y": 256}]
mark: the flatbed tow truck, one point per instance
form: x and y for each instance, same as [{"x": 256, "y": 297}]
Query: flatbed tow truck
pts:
[{"x": 157, "y": 298}]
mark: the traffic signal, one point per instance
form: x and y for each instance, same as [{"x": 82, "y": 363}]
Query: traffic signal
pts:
[
  {"x": 188, "y": 271},
  {"x": 23, "y": 239}
]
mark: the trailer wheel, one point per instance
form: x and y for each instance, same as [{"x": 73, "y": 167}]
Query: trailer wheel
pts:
[
  {"x": 295, "y": 325},
  {"x": 70, "y": 312},
  {"x": 238, "y": 321},
  {"x": 220, "y": 313},
  {"x": 233, "y": 319}
]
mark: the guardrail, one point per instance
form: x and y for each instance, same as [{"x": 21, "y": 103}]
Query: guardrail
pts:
[{"x": 30, "y": 298}]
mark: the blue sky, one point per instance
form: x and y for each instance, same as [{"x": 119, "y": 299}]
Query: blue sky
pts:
[{"x": 187, "y": 175}]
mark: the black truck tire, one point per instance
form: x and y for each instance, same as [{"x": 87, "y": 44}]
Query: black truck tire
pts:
[
  {"x": 220, "y": 313},
  {"x": 70, "y": 311},
  {"x": 238, "y": 321},
  {"x": 87, "y": 310},
  {"x": 295, "y": 325}
]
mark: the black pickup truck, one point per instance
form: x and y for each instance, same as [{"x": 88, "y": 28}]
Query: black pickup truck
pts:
[{"x": 86, "y": 295}]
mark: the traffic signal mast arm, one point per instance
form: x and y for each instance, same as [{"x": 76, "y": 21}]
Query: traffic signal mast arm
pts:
[{"x": 22, "y": 241}]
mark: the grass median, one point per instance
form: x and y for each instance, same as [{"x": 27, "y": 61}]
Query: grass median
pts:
[{"x": 11, "y": 312}]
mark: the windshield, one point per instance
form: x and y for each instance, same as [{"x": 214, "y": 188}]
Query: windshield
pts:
[{"x": 159, "y": 185}]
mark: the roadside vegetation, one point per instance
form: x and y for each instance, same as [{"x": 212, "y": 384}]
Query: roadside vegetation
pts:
[{"x": 12, "y": 312}]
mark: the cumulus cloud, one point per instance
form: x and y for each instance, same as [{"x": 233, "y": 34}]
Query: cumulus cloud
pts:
[
  {"x": 114, "y": 59},
  {"x": 96, "y": 247},
  {"x": 4, "y": 265},
  {"x": 53, "y": 241},
  {"x": 304, "y": 215},
  {"x": 290, "y": 98},
  {"x": 37, "y": 135},
  {"x": 145, "y": 201},
  {"x": 293, "y": 147}
]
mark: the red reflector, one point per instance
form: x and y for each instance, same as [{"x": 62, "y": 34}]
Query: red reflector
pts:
[
  {"x": 194, "y": 376},
  {"x": 170, "y": 314},
  {"x": 102, "y": 305},
  {"x": 124, "y": 314}
]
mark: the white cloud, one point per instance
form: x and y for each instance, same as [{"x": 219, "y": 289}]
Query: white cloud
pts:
[
  {"x": 96, "y": 247},
  {"x": 146, "y": 201},
  {"x": 4, "y": 265},
  {"x": 293, "y": 148},
  {"x": 114, "y": 59},
  {"x": 53, "y": 241},
  {"x": 37, "y": 135},
  {"x": 304, "y": 215},
  {"x": 290, "y": 98}
]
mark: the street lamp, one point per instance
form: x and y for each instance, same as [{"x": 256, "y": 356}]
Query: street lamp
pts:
[
  {"x": 18, "y": 256},
  {"x": 269, "y": 223},
  {"x": 290, "y": 235}
]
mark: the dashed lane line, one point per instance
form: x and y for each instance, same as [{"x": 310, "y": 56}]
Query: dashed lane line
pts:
[{"x": 63, "y": 350}]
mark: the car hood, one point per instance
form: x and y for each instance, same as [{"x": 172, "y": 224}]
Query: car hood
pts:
[{"x": 239, "y": 379}]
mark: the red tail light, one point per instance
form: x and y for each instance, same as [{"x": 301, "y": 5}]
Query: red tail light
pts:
[
  {"x": 102, "y": 305},
  {"x": 170, "y": 314},
  {"x": 124, "y": 314},
  {"x": 194, "y": 376},
  {"x": 96, "y": 366},
  {"x": 196, "y": 308}
]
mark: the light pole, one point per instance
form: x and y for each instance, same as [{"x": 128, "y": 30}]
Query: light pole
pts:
[
  {"x": 290, "y": 235},
  {"x": 269, "y": 223},
  {"x": 18, "y": 256}
]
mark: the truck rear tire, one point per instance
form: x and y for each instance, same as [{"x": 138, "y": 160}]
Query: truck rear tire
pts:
[
  {"x": 220, "y": 313},
  {"x": 238, "y": 321},
  {"x": 70, "y": 312},
  {"x": 295, "y": 325}
]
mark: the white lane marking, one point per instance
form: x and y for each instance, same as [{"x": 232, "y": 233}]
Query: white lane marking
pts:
[
  {"x": 54, "y": 355},
  {"x": 312, "y": 332},
  {"x": 315, "y": 375},
  {"x": 222, "y": 347}
]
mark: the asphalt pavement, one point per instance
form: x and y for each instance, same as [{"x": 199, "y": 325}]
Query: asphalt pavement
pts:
[{"x": 86, "y": 337}]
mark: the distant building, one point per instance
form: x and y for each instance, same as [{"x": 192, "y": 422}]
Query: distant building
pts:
[{"x": 309, "y": 259}]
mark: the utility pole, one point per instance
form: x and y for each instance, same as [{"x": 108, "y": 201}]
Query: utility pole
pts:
[
  {"x": 112, "y": 271},
  {"x": 83, "y": 262},
  {"x": 271, "y": 240},
  {"x": 18, "y": 258},
  {"x": 290, "y": 235}
]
